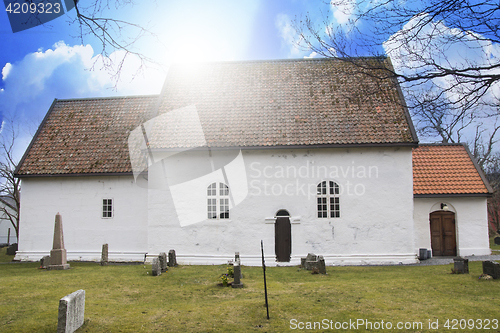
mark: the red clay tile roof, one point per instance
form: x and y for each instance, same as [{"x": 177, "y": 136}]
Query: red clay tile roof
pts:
[
  {"x": 288, "y": 103},
  {"x": 85, "y": 136},
  {"x": 446, "y": 169},
  {"x": 320, "y": 102}
]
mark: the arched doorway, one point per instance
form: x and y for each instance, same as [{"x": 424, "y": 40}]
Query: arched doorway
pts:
[
  {"x": 443, "y": 236},
  {"x": 282, "y": 236}
]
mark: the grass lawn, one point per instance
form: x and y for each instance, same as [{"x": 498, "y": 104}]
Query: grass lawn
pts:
[{"x": 186, "y": 299}]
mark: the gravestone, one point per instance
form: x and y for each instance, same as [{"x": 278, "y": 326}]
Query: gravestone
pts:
[
  {"x": 58, "y": 253},
  {"x": 238, "y": 261},
  {"x": 172, "y": 260},
  {"x": 313, "y": 263},
  {"x": 71, "y": 312},
  {"x": 497, "y": 240},
  {"x": 104, "y": 255},
  {"x": 12, "y": 249},
  {"x": 460, "y": 265},
  {"x": 491, "y": 268},
  {"x": 45, "y": 262},
  {"x": 163, "y": 262},
  {"x": 237, "y": 275},
  {"x": 422, "y": 254},
  {"x": 156, "y": 269}
]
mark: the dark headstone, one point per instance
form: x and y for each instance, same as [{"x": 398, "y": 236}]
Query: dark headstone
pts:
[
  {"x": 237, "y": 276},
  {"x": 172, "y": 260},
  {"x": 422, "y": 254},
  {"x": 497, "y": 240},
  {"x": 460, "y": 265},
  {"x": 104, "y": 255},
  {"x": 491, "y": 268},
  {"x": 45, "y": 262},
  {"x": 163, "y": 262},
  {"x": 12, "y": 249},
  {"x": 156, "y": 270},
  {"x": 321, "y": 265}
]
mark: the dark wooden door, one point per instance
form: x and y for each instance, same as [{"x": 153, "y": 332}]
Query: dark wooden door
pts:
[
  {"x": 443, "y": 238},
  {"x": 283, "y": 238}
]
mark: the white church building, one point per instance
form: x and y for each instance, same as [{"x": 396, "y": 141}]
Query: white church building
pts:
[{"x": 309, "y": 155}]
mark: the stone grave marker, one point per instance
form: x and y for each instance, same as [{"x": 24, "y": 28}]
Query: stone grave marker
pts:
[
  {"x": 104, "y": 255},
  {"x": 237, "y": 275},
  {"x": 58, "y": 253},
  {"x": 156, "y": 269},
  {"x": 172, "y": 260},
  {"x": 71, "y": 312},
  {"x": 45, "y": 262},
  {"x": 163, "y": 262},
  {"x": 492, "y": 269},
  {"x": 313, "y": 263},
  {"x": 460, "y": 265}
]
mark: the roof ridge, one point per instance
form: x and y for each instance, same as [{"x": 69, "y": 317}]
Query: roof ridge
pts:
[
  {"x": 105, "y": 98},
  {"x": 281, "y": 60}
]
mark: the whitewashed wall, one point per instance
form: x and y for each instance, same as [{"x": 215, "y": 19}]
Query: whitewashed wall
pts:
[
  {"x": 375, "y": 227},
  {"x": 471, "y": 222},
  {"x": 79, "y": 201}
]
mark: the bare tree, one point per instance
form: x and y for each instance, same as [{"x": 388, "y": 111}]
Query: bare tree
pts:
[
  {"x": 444, "y": 56},
  {"x": 10, "y": 186},
  {"x": 418, "y": 35},
  {"x": 112, "y": 33}
]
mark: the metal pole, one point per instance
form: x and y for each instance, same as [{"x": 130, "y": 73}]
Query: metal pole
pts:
[{"x": 264, "y": 269}]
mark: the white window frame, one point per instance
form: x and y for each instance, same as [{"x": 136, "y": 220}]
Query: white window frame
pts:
[
  {"x": 218, "y": 201},
  {"x": 107, "y": 204},
  {"x": 327, "y": 199}
]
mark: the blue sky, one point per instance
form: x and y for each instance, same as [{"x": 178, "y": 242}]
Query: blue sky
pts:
[{"x": 50, "y": 61}]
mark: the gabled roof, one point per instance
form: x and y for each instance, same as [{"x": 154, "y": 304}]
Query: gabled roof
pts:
[
  {"x": 447, "y": 169},
  {"x": 85, "y": 136},
  {"x": 255, "y": 104},
  {"x": 289, "y": 103}
]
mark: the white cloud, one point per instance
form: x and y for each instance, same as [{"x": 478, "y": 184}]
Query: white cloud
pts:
[
  {"x": 312, "y": 55},
  {"x": 288, "y": 33},
  {"x": 344, "y": 11},
  {"x": 29, "y": 86},
  {"x": 6, "y": 70}
]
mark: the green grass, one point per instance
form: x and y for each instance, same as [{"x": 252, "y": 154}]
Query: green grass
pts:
[{"x": 187, "y": 299}]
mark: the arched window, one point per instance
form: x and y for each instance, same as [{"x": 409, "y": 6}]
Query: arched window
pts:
[
  {"x": 328, "y": 199},
  {"x": 218, "y": 201}
]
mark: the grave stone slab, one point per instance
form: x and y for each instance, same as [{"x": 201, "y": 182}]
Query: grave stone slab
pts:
[
  {"x": 163, "y": 262},
  {"x": 45, "y": 262},
  {"x": 156, "y": 269},
  {"x": 461, "y": 265},
  {"x": 104, "y": 255},
  {"x": 71, "y": 312},
  {"x": 237, "y": 276},
  {"x": 172, "y": 260},
  {"x": 491, "y": 268}
]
